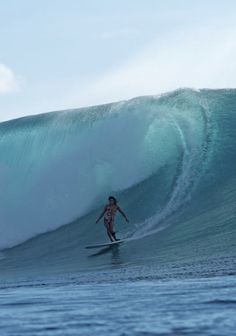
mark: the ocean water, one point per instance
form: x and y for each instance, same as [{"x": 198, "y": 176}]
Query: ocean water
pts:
[
  {"x": 188, "y": 307},
  {"x": 170, "y": 160}
]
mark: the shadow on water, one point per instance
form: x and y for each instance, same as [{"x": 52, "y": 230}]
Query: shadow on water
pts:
[{"x": 115, "y": 254}]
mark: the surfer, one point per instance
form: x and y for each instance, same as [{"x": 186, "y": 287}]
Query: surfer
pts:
[{"x": 109, "y": 213}]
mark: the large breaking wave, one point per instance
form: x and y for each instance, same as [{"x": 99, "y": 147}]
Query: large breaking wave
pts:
[{"x": 167, "y": 158}]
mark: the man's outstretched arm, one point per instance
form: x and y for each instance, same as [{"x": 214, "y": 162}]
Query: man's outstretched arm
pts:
[
  {"x": 123, "y": 214},
  {"x": 102, "y": 214}
]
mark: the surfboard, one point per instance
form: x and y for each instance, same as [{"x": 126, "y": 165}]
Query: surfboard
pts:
[{"x": 105, "y": 244}]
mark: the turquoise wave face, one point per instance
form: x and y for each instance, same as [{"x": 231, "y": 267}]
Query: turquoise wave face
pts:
[{"x": 170, "y": 160}]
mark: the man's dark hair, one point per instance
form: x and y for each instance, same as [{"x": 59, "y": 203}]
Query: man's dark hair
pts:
[{"x": 112, "y": 198}]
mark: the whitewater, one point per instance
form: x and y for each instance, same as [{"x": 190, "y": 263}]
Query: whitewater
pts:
[{"x": 170, "y": 161}]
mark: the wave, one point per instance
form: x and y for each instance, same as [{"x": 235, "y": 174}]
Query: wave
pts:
[{"x": 169, "y": 159}]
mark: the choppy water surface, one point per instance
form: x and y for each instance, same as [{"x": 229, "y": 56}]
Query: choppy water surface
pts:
[{"x": 189, "y": 307}]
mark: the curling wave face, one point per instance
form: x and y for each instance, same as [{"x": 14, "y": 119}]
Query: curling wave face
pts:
[{"x": 169, "y": 159}]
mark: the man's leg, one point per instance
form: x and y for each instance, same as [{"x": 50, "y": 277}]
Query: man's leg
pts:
[
  {"x": 112, "y": 232},
  {"x": 110, "y": 235},
  {"x": 108, "y": 227}
]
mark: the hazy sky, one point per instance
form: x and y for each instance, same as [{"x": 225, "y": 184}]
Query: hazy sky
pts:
[{"x": 59, "y": 54}]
